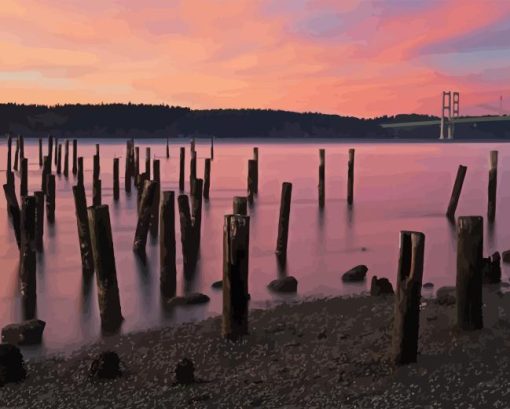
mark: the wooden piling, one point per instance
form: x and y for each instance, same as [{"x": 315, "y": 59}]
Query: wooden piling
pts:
[
  {"x": 104, "y": 262},
  {"x": 186, "y": 235},
  {"x": 97, "y": 149},
  {"x": 148, "y": 161},
  {"x": 256, "y": 159},
  {"x": 322, "y": 176},
  {"x": 457, "y": 188},
  {"x": 39, "y": 220},
  {"x": 50, "y": 150},
  {"x": 144, "y": 216},
  {"x": 167, "y": 248},
  {"x": 137, "y": 164},
  {"x": 167, "y": 149},
  {"x": 493, "y": 181},
  {"x": 283, "y": 224},
  {"x": 240, "y": 205},
  {"x": 192, "y": 169},
  {"x": 75, "y": 156},
  {"x": 154, "y": 221},
  {"x": 80, "y": 171},
  {"x": 236, "y": 238},
  {"x": 96, "y": 168},
  {"x": 66, "y": 159},
  {"x": 350, "y": 177},
  {"x": 21, "y": 147},
  {"x": 27, "y": 265},
  {"x": 45, "y": 172},
  {"x": 96, "y": 192},
  {"x": 196, "y": 212},
  {"x": 9, "y": 153},
  {"x": 24, "y": 178},
  {"x": 128, "y": 173},
  {"x": 140, "y": 187},
  {"x": 407, "y": 298},
  {"x": 252, "y": 179},
  {"x": 16, "y": 155},
  {"x": 207, "y": 178},
  {"x": 469, "y": 272},
  {"x": 212, "y": 148},
  {"x": 56, "y": 151},
  {"x": 115, "y": 179},
  {"x": 192, "y": 145},
  {"x": 40, "y": 152},
  {"x": 181, "y": 168},
  {"x": 80, "y": 206},
  {"x": 13, "y": 210},
  {"x": 59, "y": 159},
  {"x": 50, "y": 198}
]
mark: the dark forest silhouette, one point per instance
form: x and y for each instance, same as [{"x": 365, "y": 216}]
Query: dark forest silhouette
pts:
[{"x": 140, "y": 120}]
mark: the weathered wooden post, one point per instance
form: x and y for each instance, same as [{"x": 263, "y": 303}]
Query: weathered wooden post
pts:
[
  {"x": 16, "y": 155},
  {"x": 196, "y": 212},
  {"x": 236, "y": 238},
  {"x": 181, "y": 168},
  {"x": 407, "y": 298},
  {"x": 96, "y": 192},
  {"x": 50, "y": 198},
  {"x": 469, "y": 272},
  {"x": 186, "y": 235},
  {"x": 137, "y": 164},
  {"x": 207, "y": 178},
  {"x": 13, "y": 210},
  {"x": 9, "y": 153},
  {"x": 104, "y": 261},
  {"x": 256, "y": 158},
  {"x": 66, "y": 159},
  {"x": 24, "y": 178},
  {"x": 493, "y": 181},
  {"x": 40, "y": 152},
  {"x": 96, "y": 169},
  {"x": 45, "y": 172},
  {"x": 56, "y": 151},
  {"x": 21, "y": 147},
  {"x": 240, "y": 205},
  {"x": 148, "y": 161},
  {"x": 144, "y": 216},
  {"x": 322, "y": 175},
  {"x": 154, "y": 221},
  {"x": 140, "y": 187},
  {"x": 167, "y": 149},
  {"x": 283, "y": 224},
  {"x": 50, "y": 150},
  {"x": 75, "y": 156},
  {"x": 192, "y": 145},
  {"x": 39, "y": 220},
  {"x": 212, "y": 148},
  {"x": 167, "y": 251},
  {"x": 80, "y": 171},
  {"x": 457, "y": 187},
  {"x": 192, "y": 169},
  {"x": 128, "y": 173},
  {"x": 59, "y": 159},
  {"x": 80, "y": 205},
  {"x": 252, "y": 171},
  {"x": 97, "y": 149},
  {"x": 115, "y": 179},
  {"x": 350, "y": 177},
  {"x": 27, "y": 266}
]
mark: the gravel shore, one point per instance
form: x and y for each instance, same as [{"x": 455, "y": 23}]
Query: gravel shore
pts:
[{"x": 323, "y": 353}]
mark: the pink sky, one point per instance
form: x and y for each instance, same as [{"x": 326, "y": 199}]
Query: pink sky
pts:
[{"x": 349, "y": 57}]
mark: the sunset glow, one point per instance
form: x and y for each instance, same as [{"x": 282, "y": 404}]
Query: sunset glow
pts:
[{"x": 349, "y": 57}]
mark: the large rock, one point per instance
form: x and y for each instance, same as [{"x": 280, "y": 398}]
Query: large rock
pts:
[
  {"x": 189, "y": 299},
  {"x": 446, "y": 296},
  {"x": 106, "y": 366},
  {"x": 24, "y": 333},
  {"x": 491, "y": 271},
  {"x": 380, "y": 286},
  {"x": 506, "y": 256},
  {"x": 217, "y": 284},
  {"x": 355, "y": 274},
  {"x": 12, "y": 367},
  {"x": 284, "y": 285},
  {"x": 185, "y": 372}
]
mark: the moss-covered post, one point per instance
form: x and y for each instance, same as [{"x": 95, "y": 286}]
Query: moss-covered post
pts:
[{"x": 407, "y": 298}]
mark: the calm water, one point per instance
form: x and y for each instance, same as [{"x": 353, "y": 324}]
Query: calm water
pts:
[{"x": 397, "y": 187}]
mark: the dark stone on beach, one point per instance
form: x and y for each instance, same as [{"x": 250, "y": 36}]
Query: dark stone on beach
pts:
[
  {"x": 284, "y": 285},
  {"x": 446, "y": 296},
  {"x": 12, "y": 367},
  {"x": 428, "y": 285},
  {"x": 491, "y": 271},
  {"x": 217, "y": 284},
  {"x": 106, "y": 366},
  {"x": 185, "y": 372},
  {"x": 355, "y": 274},
  {"x": 199, "y": 398},
  {"x": 506, "y": 256},
  {"x": 190, "y": 299},
  {"x": 380, "y": 286},
  {"x": 322, "y": 334},
  {"x": 24, "y": 333}
]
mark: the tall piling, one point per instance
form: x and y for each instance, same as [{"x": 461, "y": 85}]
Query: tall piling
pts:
[
  {"x": 207, "y": 178},
  {"x": 140, "y": 187},
  {"x": 148, "y": 161},
  {"x": 167, "y": 149},
  {"x": 212, "y": 148},
  {"x": 45, "y": 172},
  {"x": 27, "y": 265},
  {"x": 16, "y": 155},
  {"x": 322, "y": 176},
  {"x": 167, "y": 248},
  {"x": 50, "y": 150},
  {"x": 96, "y": 192},
  {"x": 66, "y": 159},
  {"x": 80, "y": 206},
  {"x": 50, "y": 198},
  {"x": 186, "y": 235},
  {"x": 40, "y": 152},
  {"x": 115, "y": 179},
  {"x": 457, "y": 188},
  {"x": 104, "y": 262},
  {"x": 192, "y": 169},
  {"x": 350, "y": 177},
  {"x": 96, "y": 167},
  {"x": 39, "y": 220},
  {"x": 256, "y": 159},
  {"x": 469, "y": 272},
  {"x": 137, "y": 164},
  {"x": 21, "y": 147},
  {"x": 144, "y": 216},
  {"x": 59, "y": 159},
  {"x": 154, "y": 221},
  {"x": 9, "y": 154},
  {"x": 24, "y": 178},
  {"x": 80, "y": 180},
  {"x": 56, "y": 152},
  {"x": 493, "y": 181},
  {"x": 407, "y": 298},
  {"x": 128, "y": 172},
  {"x": 196, "y": 212},
  {"x": 283, "y": 224},
  {"x": 13, "y": 210},
  {"x": 252, "y": 179},
  {"x": 236, "y": 238},
  {"x": 181, "y": 168},
  {"x": 75, "y": 156},
  {"x": 240, "y": 205}
]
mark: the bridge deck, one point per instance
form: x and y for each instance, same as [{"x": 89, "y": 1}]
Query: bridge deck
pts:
[{"x": 462, "y": 120}]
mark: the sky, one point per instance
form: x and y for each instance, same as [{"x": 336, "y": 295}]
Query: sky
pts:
[{"x": 349, "y": 57}]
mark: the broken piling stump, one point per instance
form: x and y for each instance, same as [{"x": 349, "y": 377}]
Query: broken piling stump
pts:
[
  {"x": 167, "y": 249},
  {"x": 240, "y": 205},
  {"x": 144, "y": 215},
  {"x": 252, "y": 179},
  {"x": 283, "y": 223},
  {"x": 457, "y": 188},
  {"x": 192, "y": 169},
  {"x": 322, "y": 173},
  {"x": 350, "y": 177},
  {"x": 96, "y": 192},
  {"x": 80, "y": 205},
  {"x": 186, "y": 235},
  {"x": 59, "y": 159},
  {"x": 154, "y": 221}
]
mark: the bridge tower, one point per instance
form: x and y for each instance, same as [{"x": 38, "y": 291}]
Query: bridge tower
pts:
[{"x": 449, "y": 112}]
